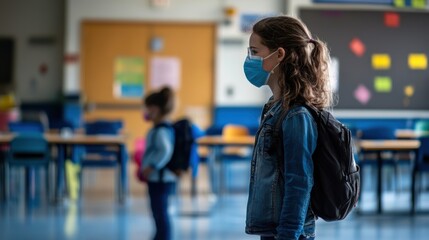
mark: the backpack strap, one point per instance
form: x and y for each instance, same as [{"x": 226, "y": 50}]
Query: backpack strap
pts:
[
  {"x": 315, "y": 113},
  {"x": 277, "y": 143}
]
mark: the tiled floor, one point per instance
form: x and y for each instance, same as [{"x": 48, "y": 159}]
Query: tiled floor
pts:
[
  {"x": 101, "y": 218},
  {"x": 98, "y": 216}
]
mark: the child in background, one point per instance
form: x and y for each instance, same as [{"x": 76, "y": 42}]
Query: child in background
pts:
[{"x": 157, "y": 107}]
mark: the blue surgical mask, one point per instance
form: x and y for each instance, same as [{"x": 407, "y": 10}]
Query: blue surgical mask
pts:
[{"x": 254, "y": 71}]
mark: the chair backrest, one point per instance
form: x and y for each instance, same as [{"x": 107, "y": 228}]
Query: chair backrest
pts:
[
  {"x": 423, "y": 152},
  {"x": 25, "y": 127},
  {"x": 231, "y": 131},
  {"x": 379, "y": 132},
  {"x": 29, "y": 143},
  {"x": 39, "y": 117},
  {"x": 103, "y": 127},
  {"x": 422, "y": 125}
]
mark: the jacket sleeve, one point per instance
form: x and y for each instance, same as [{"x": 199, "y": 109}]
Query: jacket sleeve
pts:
[
  {"x": 163, "y": 149},
  {"x": 299, "y": 143}
]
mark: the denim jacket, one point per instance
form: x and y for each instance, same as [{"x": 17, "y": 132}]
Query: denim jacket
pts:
[
  {"x": 279, "y": 201},
  {"x": 159, "y": 149}
]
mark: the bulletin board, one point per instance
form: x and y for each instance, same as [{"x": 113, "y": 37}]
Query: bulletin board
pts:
[{"x": 380, "y": 56}]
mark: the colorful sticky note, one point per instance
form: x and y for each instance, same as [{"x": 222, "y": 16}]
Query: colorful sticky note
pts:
[
  {"x": 399, "y": 3},
  {"x": 418, "y": 3},
  {"x": 409, "y": 91},
  {"x": 391, "y": 19},
  {"x": 417, "y": 61},
  {"x": 357, "y": 47},
  {"x": 362, "y": 94},
  {"x": 383, "y": 84},
  {"x": 380, "y": 61}
]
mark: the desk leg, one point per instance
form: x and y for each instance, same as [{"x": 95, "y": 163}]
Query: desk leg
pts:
[
  {"x": 2, "y": 177},
  {"x": 379, "y": 183},
  {"x": 413, "y": 183},
  {"x": 211, "y": 162},
  {"x": 413, "y": 190},
  {"x": 122, "y": 183}
]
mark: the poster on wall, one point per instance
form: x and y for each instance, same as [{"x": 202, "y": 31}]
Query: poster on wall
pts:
[
  {"x": 165, "y": 71},
  {"x": 129, "y": 77}
]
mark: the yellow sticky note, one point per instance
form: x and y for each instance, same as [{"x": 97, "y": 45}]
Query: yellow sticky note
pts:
[
  {"x": 380, "y": 61},
  {"x": 418, "y": 3},
  {"x": 409, "y": 91},
  {"x": 399, "y": 3},
  {"x": 417, "y": 61},
  {"x": 383, "y": 84}
]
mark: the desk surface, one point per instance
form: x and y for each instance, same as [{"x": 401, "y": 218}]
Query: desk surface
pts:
[
  {"x": 75, "y": 139},
  {"x": 408, "y": 133},
  {"x": 374, "y": 145},
  {"x": 221, "y": 141}
]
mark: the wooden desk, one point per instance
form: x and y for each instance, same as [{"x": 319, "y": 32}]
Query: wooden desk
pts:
[
  {"x": 81, "y": 140},
  {"x": 410, "y": 134},
  {"x": 378, "y": 146},
  {"x": 216, "y": 145},
  {"x": 222, "y": 141}
]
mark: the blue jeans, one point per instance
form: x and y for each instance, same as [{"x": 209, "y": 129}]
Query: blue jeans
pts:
[
  {"x": 300, "y": 238},
  {"x": 158, "y": 194}
]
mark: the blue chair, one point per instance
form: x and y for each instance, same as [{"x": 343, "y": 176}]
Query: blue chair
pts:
[
  {"x": 232, "y": 156},
  {"x": 26, "y": 127},
  {"x": 104, "y": 156},
  {"x": 367, "y": 159},
  {"x": 28, "y": 150},
  {"x": 421, "y": 165}
]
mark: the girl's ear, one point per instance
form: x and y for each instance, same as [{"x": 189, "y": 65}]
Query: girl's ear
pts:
[{"x": 281, "y": 54}]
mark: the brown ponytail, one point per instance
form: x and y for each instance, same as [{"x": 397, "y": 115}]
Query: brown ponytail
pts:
[{"x": 163, "y": 99}]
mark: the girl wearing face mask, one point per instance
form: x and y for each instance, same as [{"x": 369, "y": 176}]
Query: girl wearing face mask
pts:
[
  {"x": 159, "y": 149},
  {"x": 283, "y": 55}
]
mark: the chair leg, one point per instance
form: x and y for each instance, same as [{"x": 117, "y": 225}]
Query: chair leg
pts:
[
  {"x": 6, "y": 182},
  {"x": 397, "y": 177},
  {"x": 118, "y": 183},
  {"x": 47, "y": 183},
  {"x": 413, "y": 192}
]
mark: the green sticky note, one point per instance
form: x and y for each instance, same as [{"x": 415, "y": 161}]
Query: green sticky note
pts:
[
  {"x": 418, "y": 3},
  {"x": 383, "y": 84},
  {"x": 399, "y": 3}
]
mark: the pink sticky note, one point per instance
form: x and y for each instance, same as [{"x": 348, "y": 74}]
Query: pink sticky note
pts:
[
  {"x": 362, "y": 94},
  {"x": 357, "y": 47},
  {"x": 391, "y": 20}
]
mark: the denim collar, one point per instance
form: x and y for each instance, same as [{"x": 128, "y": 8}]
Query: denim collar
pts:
[{"x": 273, "y": 110}]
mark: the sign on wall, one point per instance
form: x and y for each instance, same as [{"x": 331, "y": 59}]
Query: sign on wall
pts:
[
  {"x": 165, "y": 71},
  {"x": 129, "y": 77}
]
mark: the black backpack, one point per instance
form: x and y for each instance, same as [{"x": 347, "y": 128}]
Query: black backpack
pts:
[
  {"x": 183, "y": 142},
  {"x": 336, "y": 186}
]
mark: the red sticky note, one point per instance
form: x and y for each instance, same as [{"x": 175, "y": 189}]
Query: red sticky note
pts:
[
  {"x": 357, "y": 47},
  {"x": 391, "y": 19}
]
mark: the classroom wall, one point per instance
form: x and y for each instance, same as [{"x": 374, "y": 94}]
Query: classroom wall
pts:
[
  {"x": 231, "y": 88},
  {"x": 37, "y": 19}
]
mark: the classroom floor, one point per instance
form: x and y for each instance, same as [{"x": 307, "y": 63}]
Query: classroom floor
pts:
[{"x": 206, "y": 217}]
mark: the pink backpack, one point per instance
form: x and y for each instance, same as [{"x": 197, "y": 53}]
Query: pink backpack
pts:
[{"x": 139, "y": 148}]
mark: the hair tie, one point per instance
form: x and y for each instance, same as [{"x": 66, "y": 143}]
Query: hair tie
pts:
[{"x": 311, "y": 40}]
